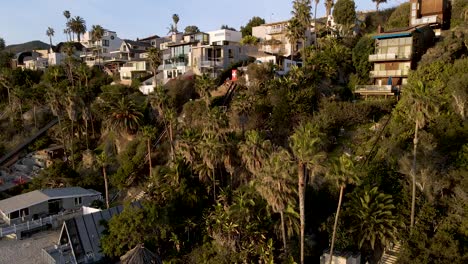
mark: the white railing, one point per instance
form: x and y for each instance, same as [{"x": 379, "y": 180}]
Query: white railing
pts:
[
  {"x": 275, "y": 30},
  {"x": 209, "y": 63},
  {"x": 364, "y": 88},
  {"x": 426, "y": 20},
  {"x": 174, "y": 65},
  {"x": 28, "y": 225},
  {"x": 388, "y": 56},
  {"x": 389, "y": 73}
]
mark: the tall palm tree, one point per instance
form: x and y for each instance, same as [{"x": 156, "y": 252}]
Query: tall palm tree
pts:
[
  {"x": 103, "y": 161},
  {"x": 254, "y": 151},
  {"x": 275, "y": 184},
  {"x": 155, "y": 60},
  {"x": 306, "y": 144},
  {"x": 315, "y": 23},
  {"x": 50, "y": 33},
  {"x": 293, "y": 34},
  {"x": 423, "y": 108},
  {"x": 149, "y": 132},
  {"x": 67, "y": 31},
  {"x": 97, "y": 32},
  {"x": 377, "y": 4},
  {"x": 124, "y": 116},
  {"x": 5, "y": 81},
  {"x": 175, "y": 19},
  {"x": 78, "y": 26},
  {"x": 204, "y": 84},
  {"x": 302, "y": 12},
  {"x": 72, "y": 111},
  {"x": 328, "y": 7},
  {"x": 54, "y": 97},
  {"x": 373, "y": 217},
  {"x": 342, "y": 173}
]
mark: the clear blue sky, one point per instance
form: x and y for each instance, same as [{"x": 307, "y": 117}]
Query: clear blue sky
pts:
[{"x": 26, "y": 20}]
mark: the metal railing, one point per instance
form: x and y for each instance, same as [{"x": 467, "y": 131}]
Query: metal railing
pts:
[
  {"x": 388, "y": 56},
  {"x": 275, "y": 30},
  {"x": 389, "y": 73},
  {"x": 426, "y": 20},
  {"x": 384, "y": 88},
  {"x": 211, "y": 63},
  {"x": 28, "y": 225}
]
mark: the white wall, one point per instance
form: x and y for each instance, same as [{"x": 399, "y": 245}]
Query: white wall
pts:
[
  {"x": 259, "y": 32},
  {"x": 224, "y": 35}
]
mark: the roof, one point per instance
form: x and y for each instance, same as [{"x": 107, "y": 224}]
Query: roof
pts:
[
  {"x": 85, "y": 231},
  {"x": 140, "y": 255},
  {"x": 149, "y": 38},
  {"x": 26, "y": 200},
  {"x": 401, "y": 32},
  {"x": 137, "y": 43}
]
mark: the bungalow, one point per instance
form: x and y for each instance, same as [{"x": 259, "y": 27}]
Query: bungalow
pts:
[{"x": 40, "y": 203}]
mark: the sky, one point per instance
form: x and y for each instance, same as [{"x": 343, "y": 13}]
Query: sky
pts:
[{"x": 27, "y": 20}]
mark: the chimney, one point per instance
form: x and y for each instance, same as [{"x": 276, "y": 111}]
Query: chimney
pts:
[{"x": 380, "y": 29}]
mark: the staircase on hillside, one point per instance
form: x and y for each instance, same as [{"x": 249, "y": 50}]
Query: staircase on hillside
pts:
[{"x": 391, "y": 255}]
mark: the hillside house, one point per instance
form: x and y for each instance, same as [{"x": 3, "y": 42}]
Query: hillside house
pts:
[
  {"x": 396, "y": 53},
  {"x": 41, "y": 203},
  {"x": 435, "y": 13}
]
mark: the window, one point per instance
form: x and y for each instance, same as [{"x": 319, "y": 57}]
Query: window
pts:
[
  {"x": 78, "y": 201},
  {"x": 231, "y": 55},
  {"x": 105, "y": 42},
  {"x": 14, "y": 215},
  {"x": 24, "y": 212}
]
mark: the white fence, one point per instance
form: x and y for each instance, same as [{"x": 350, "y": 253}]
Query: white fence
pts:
[{"x": 15, "y": 229}]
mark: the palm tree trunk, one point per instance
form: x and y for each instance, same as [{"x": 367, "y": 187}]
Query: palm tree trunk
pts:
[
  {"x": 283, "y": 233},
  {"x": 315, "y": 25},
  {"x": 34, "y": 114},
  {"x": 71, "y": 145},
  {"x": 106, "y": 186},
  {"x": 61, "y": 135},
  {"x": 413, "y": 173},
  {"x": 301, "y": 190},
  {"x": 86, "y": 132},
  {"x": 172, "y": 141},
  {"x": 336, "y": 223},
  {"x": 149, "y": 156}
]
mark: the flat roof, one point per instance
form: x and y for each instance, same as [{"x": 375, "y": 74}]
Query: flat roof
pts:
[{"x": 26, "y": 200}]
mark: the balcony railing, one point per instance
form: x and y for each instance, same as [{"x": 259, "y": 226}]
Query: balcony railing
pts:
[
  {"x": 275, "y": 30},
  {"x": 373, "y": 88},
  {"x": 211, "y": 63},
  {"x": 426, "y": 20},
  {"x": 388, "y": 57},
  {"x": 174, "y": 65},
  {"x": 389, "y": 73},
  {"x": 275, "y": 50}
]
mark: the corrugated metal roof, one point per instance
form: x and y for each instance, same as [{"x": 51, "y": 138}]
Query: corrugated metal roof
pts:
[{"x": 26, "y": 200}]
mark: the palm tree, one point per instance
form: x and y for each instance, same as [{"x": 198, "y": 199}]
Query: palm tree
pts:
[
  {"x": 423, "y": 108},
  {"x": 373, "y": 217},
  {"x": 67, "y": 31},
  {"x": 78, "y": 26},
  {"x": 124, "y": 116},
  {"x": 377, "y": 3},
  {"x": 293, "y": 34},
  {"x": 204, "y": 84},
  {"x": 72, "y": 111},
  {"x": 301, "y": 12},
  {"x": 103, "y": 161},
  {"x": 155, "y": 60},
  {"x": 97, "y": 32},
  {"x": 149, "y": 132},
  {"x": 175, "y": 19},
  {"x": 275, "y": 184},
  {"x": 342, "y": 173},
  {"x": 54, "y": 99},
  {"x": 254, "y": 151},
  {"x": 306, "y": 144},
  {"x": 50, "y": 33},
  {"x": 328, "y": 7},
  {"x": 315, "y": 23}
]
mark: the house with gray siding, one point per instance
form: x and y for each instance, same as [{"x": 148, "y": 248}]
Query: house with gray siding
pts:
[{"x": 41, "y": 203}]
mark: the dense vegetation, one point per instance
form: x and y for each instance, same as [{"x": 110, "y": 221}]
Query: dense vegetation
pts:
[{"x": 247, "y": 178}]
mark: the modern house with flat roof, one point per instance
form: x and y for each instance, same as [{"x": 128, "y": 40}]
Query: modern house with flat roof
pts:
[
  {"x": 41, "y": 203},
  {"x": 396, "y": 53}
]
